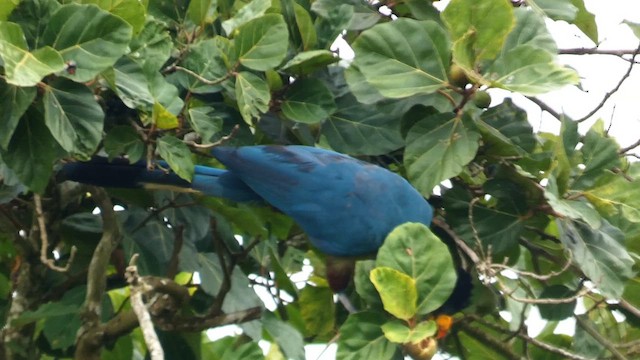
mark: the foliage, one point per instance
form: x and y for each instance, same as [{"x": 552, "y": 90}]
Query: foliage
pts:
[{"x": 163, "y": 80}]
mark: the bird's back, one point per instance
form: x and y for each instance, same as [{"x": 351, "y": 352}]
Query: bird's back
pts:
[{"x": 346, "y": 206}]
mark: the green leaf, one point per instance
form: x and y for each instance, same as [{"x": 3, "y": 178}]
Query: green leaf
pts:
[
  {"x": 499, "y": 226},
  {"x": 615, "y": 196},
  {"x": 204, "y": 121},
  {"x": 231, "y": 348},
  {"x": 202, "y": 12},
  {"x": 7, "y": 8},
  {"x": 531, "y": 30},
  {"x": 317, "y": 310},
  {"x": 33, "y": 151},
  {"x": 152, "y": 47},
  {"x": 15, "y": 101},
  {"x": 574, "y": 209},
  {"x": 558, "y": 311},
  {"x": 413, "y": 249},
  {"x": 177, "y": 154},
  {"x": 506, "y": 130},
  {"x": 306, "y": 29},
  {"x": 358, "y": 129},
  {"x": 163, "y": 118},
  {"x": 24, "y": 68},
  {"x": 207, "y": 59},
  {"x": 397, "y": 290},
  {"x": 635, "y": 27},
  {"x": 599, "y": 253},
  {"x": 398, "y": 332},
  {"x": 127, "y": 79},
  {"x": 286, "y": 336},
  {"x": 308, "y": 101},
  {"x": 131, "y": 11},
  {"x": 331, "y": 25},
  {"x": 585, "y": 21},
  {"x": 363, "y": 284},
  {"x": 438, "y": 147},
  {"x": 253, "y": 96},
  {"x": 403, "y": 57},
  {"x": 88, "y": 36},
  {"x": 73, "y": 116},
  {"x": 599, "y": 153},
  {"x": 252, "y": 10},
  {"x": 261, "y": 44},
  {"x": 307, "y": 62},
  {"x": 488, "y": 21},
  {"x": 124, "y": 140},
  {"x": 361, "y": 337},
  {"x": 555, "y": 9},
  {"x": 530, "y": 71}
]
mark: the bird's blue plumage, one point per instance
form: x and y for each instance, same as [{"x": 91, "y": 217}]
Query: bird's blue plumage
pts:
[{"x": 347, "y": 207}]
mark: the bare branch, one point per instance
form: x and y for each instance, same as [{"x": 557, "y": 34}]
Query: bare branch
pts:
[
  {"x": 138, "y": 288},
  {"x": 198, "y": 77},
  {"x": 596, "y": 51},
  {"x": 536, "y": 276},
  {"x": 44, "y": 240},
  {"x": 90, "y": 334},
  {"x": 614, "y": 90},
  {"x": 630, "y": 147},
  {"x": 545, "y": 107},
  {"x": 220, "y": 142}
]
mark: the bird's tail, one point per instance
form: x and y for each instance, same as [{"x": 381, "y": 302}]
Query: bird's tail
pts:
[{"x": 120, "y": 174}]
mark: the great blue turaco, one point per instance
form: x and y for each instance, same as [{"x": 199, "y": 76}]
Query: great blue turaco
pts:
[{"x": 347, "y": 207}]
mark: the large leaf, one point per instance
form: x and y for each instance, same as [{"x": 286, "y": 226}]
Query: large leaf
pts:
[
  {"x": 485, "y": 23},
  {"x": 413, "y": 249},
  {"x": 177, "y": 154},
  {"x": 124, "y": 140},
  {"x": 599, "y": 153},
  {"x": 88, "y": 36},
  {"x": 261, "y": 44},
  {"x": 231, "y": 348},
  {"x": 530, "y": 29},
  {"x": 585, "y": 21},
  {"x": 152, "y": 46},
  {"x": 207, "y": 59},
  {"x": 499, "y": 226},
  {"x": 308, "y": 101},
  {"x": 358, "y": 129},
  {"x": 22, "y": 67},
  {"x": 308, "y": 61},
  {"x": 600, "y": 253},
  {"x": 33, "y": 151},
  {"x": 571, "y": 208},
  {"x": 252, "y": 10},
  {"x": 397, "y": 290},
  {"x": 253, "y": 96},
  {"x": 404, "y": 57},
  {"x": 317, "y": 310},
  {"x": 73, "y": 116},
  {"x": 285, "y": 335},
  {"x": 438, "y": 147},
  {"x": 506, "y": 130},
  {"x": 205, "y": 122},
  {"x": 530, "y": 71},
  {"x": 556, "y": 9},
  {"x": 14, "y": 100},
  {"x": 131, "y": 11},
  {"x": 361, "y": 337}
]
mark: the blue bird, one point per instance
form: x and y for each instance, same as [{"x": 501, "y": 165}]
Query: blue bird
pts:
[{"x": 347, "y": 207}]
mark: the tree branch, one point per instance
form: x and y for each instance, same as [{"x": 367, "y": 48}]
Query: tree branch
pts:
[
  {"x": 90, "y": 334},
  {"x": 44, "y": 240},
  {"x": 599, "y": 338},
  {"x": 138, "y": 288}
]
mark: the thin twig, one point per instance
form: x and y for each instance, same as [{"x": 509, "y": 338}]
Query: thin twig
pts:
[
  {"x": 144, "y": 318},
  {"x": 220, "y": 142},
  {"x": 614, "y": 90},
  {"x": 545, "y": 107},
  {"x": 44, "y": 239},
  {"x": 630, "y": 147},
  {"x": 536, "y": 276},
  {"x": 202, "y": 79},
  {"x": 596, "y": 51}
]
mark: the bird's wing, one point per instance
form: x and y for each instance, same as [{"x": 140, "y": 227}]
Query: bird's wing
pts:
[{"x": 347, "y": 207}]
